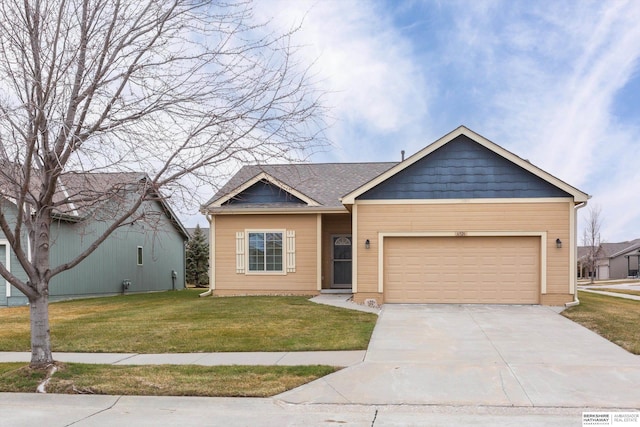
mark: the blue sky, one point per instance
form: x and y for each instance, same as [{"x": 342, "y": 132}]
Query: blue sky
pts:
[{"x": 555, "y": 82}]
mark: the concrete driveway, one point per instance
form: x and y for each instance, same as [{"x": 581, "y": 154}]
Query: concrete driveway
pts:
[{"x": 524, "y": 356}]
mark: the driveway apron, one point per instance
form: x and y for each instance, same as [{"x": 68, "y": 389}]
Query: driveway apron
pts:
[{"x": 482, "y": 355}]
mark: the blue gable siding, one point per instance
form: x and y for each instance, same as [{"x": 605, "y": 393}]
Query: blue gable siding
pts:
[
  {"x": 463, "y": 169},
  {"x": 263, "y": 192}
]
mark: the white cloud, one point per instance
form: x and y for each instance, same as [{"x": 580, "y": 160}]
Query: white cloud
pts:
[
  {"x": 548, "y": 75},
  {"x": 367, "y": 66}
]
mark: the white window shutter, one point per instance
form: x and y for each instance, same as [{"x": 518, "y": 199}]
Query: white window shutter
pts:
[
  {"x": 240, "y": 252},
  {"x": 291, "y": 251}
]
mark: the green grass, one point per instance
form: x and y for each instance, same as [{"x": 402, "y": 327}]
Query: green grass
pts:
[
  {"x": 163, "y": 380},
  {"x": 620, "y": 291},
  {"x": 616, "y": 319},
  {"x": 182, "y": 322}
]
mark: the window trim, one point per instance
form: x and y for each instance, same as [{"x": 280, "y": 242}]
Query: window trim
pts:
[
  {"x": 140, "y": 256},
  {"x": 247, "y": 239}
]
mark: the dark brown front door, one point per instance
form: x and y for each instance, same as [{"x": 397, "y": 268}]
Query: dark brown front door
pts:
[{"x": 341, "y": 250}]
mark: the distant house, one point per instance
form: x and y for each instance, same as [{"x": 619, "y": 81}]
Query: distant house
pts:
[
  {"x": 613, "y": 261},
  {"x": 461, "y": 221},
  {"x": 144, "y": 255}
]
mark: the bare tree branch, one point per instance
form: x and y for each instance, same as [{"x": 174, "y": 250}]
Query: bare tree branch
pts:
[{"x": 175, "y": 91}]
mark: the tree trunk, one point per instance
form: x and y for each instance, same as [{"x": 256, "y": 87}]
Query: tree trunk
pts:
[{"x": 40, "y": 334}]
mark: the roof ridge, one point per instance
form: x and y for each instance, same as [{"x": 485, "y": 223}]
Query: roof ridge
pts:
[{"x": 318, "y": 164}]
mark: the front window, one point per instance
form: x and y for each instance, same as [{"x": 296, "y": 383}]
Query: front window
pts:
[{"x": 265, "y": 251}]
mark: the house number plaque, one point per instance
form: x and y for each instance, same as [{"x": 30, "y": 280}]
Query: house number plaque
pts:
[{"x": 461, "y": 233}]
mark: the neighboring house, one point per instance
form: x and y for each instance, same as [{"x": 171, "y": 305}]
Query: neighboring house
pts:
[
  {"x": 147, "y": 254},
  {"x": 461, "y": 221},
  {"x": 584, "y": 269},
  {"x": 613, "y": 261}
]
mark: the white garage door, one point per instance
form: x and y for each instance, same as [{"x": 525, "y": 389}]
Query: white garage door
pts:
[{"x": 482, "y": 270}]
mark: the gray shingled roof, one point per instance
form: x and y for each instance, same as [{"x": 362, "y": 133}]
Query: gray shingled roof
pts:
[
  {"x": 614, "y": 249},
  {"x": 81, "y": 194},
  {"x": 84, "y": 192},
  {"x": 608, "y": 250},
  {"x": 325, "y": 183}
]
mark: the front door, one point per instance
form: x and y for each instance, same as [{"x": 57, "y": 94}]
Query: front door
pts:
[{"x": 341, "y": 249}]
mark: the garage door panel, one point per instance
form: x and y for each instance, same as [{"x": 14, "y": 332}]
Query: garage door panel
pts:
[{"x": 484, "y": 270}]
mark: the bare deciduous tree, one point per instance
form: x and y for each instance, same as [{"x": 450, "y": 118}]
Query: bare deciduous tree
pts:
[
  {"x": 591, "y": 238},
  {"x": 176, "y": 89}
]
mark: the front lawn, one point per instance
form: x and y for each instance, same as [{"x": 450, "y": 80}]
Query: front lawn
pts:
[
  {"x": 182, "y": 322},
  {"x": 616, "y": 319}
]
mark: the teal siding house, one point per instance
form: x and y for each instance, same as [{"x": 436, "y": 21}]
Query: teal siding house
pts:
[{"x": 143, "y": 255}]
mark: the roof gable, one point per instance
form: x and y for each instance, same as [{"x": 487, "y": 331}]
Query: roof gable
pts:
[
  {"x": 263, "y": 189},
  {"x": 263, "y": 192},
  {"x": 464, "y": 165},
  {"x": 463, "y": 169}
]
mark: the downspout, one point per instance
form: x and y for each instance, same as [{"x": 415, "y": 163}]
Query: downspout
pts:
[
  {"x": 576, "y": 301},
  {"x": 210, "y": 291}
]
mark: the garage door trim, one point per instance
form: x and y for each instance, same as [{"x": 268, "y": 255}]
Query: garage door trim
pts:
[{"x": 462, "y": 235}]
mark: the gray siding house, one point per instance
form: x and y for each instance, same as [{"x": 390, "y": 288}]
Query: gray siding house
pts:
[
  {"x": 147, "y": 254},
  {"x": 613, "y": 261}
]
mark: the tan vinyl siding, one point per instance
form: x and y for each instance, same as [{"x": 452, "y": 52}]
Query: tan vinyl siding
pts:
[
  {"x": 302, "y": 281},
  {"x": 331, "y": 225},
  {"x": 552, "y": 218},
  {"x": 556, "y": 299}
]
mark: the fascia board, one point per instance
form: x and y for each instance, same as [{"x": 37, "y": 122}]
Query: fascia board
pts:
[{"x": 279, "y": 211}]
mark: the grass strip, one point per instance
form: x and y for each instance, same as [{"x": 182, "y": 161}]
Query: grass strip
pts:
[
  {"x": 616, "y": 319},
  {"x": 182, "y": 322},
  {"x": 162, "y": 380}
]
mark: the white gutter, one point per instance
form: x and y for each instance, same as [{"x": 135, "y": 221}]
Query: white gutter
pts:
[
  {"x": 576, "y": 301},
  {"x": 211, "y": 257}
]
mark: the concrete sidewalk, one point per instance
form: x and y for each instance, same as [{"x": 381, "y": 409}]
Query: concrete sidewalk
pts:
[
  {"x": 292, "y": 358},
  {"x": 19, "y": 409},
  {"x": 611, "y": 294}
]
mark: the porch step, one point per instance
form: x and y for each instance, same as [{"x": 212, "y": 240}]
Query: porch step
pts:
[{"x": 336, "y": 291}]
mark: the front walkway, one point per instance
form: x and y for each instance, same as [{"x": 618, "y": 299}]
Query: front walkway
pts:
[
  {"x": 611, "y": 294},
  {"x": 595, "y": 289}
]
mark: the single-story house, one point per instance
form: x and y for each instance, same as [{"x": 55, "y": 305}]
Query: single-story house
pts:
[
  {"x": 613, "y": 261},
  {"x": 144, "y": 255},
  {"x": 461, "y": 221}
]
